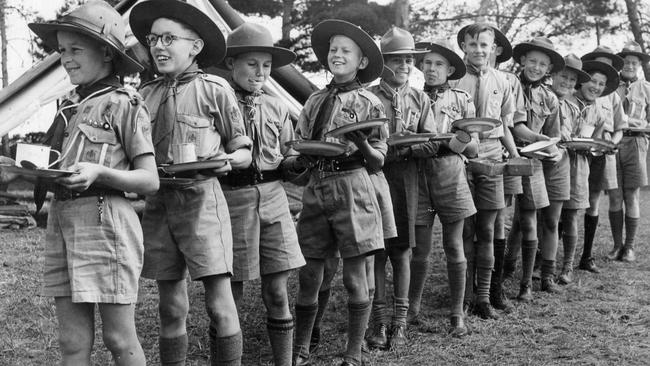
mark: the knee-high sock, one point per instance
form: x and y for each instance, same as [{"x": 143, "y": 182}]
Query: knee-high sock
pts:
[
  {"x": 173, "y": 351},
  {"x": 225, "y": 351},
  {"x": 616, "y": 223},
  {"x": 484, "y": 265},
  {"x": 399, "y": 314},
  {"x": 305, "y": 316},
  {"x": 548, "y": 268},
  {"x": 281, "y": 338},
  {"x": 591, "y": 223},
  {"x": 570, "y": 242},
  {"x": 358, "y": 315},
  {"x": 456, "y": 274},
  {"x": 323, "y": 299},
  {"x": 416, "y": 287},
  {"x": 528, "y": 252},
  {"x": 499, "y": 253},
  {"x": 631, "y": 225}
]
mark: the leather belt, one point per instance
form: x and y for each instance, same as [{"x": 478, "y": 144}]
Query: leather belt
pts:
[
  {"x": 339, "y": 165},
  {"x": 250, "y": 177},
  {"x": 633, "y": 133},
  {"x": 64, "y": 194}
]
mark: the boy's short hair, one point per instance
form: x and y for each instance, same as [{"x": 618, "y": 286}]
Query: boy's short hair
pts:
[{"x": 478, "y": 28}]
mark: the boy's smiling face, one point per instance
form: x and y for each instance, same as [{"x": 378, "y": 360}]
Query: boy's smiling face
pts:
[
  {"x": 250, "y": 70},
  {"x": 594, "y": 87},
  {"x": 478, "y": 48},
  {"x": 564, "y": 82},
  {"x": 631, "y": 65},
  {"x": 84, "y": 59},
  {"x": 345, "y": 58},
  {"x": 536, "y": 65},
  {"x": 178, "y": 56},
  {"x": 401, "y": 66},
  {"x": 436, "y": 69}
]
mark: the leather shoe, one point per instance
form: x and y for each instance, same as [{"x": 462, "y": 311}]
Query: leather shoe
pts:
[
  {"x": 397, "y": 337},
  {"x": 467, "y": 307},
  {"x": 301, "y": 360},
  {"x": 378, "y": 338},
  {"x": 628, "y": 255},
  {"x": 525, "y": 293},
  {"x": 458, "y": 327},
  {"x": 548, "y": 285},
  {"x": 615, "y": 254},
  {"x": 566, "y": 276},
  {"x": 499, "y": 301},
  {"x": 485, "y": 311},
  {"x": 588, "y": 264}
]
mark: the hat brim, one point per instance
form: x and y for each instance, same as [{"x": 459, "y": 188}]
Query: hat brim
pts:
[
  {"x": 522, "y": 48},
  {"x": 279, "y": 56},
  {"x": 609, "y": 71},
  {"x": 583, "y": 77},
  {"x": 451, "y": 56},
  {"x": 325, "y": 30},
  {"x": 499, "y": 38},
  {"x": 124, "y": 64},
  {"x": 145, "y": 13},
  {"x": 642, "y": 56},
  {"x": 617, "y": 61},
  {"x": 416, "y": 51}
]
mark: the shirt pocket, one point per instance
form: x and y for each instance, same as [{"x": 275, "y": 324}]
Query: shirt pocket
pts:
[
  {"x": 97, "y": 145},
  {"x": 413, "y": 120},
  {"x": 270, "y": 152},
  {"x": 199, "y": 131},
  {"x": 637, "y": 106},
  {"x": 539, "y": 112}
]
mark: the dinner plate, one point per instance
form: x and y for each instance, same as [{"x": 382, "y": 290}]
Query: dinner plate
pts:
[
  {"x": 41, "y": 173},
  {"x": 409, "y": 139},
  {"x": 319, "y": 148},
  {"x": 477, "y": 124},
  {"x": 539, "y": 145},
  {"x": 638, "y": 129},
  {"x": 371, "y": 123},
  {"x": 214, "y": 163},
  {"x": 588, "y": 144}
]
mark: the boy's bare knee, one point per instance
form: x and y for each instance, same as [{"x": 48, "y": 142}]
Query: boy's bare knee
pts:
[
  {"x": 116, "y": 342},
  {"x": 74, "y": 344},
  {"x": 173, "y": 312}
]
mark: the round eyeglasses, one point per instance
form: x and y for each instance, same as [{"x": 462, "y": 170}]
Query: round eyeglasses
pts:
[{"x": 166, "y": 39}]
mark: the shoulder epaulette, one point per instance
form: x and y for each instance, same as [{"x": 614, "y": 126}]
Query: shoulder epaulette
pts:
[
  {"x": 461, "y": 91},
  {"x": 151, "y": 82},
  {"x": 215, "y": 79},
  {"x": 134, "y": 97},
  {"x": 369, "y": 95}
]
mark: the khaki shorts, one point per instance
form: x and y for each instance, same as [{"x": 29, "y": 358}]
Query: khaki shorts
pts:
[
  {"x": 187, "y": 230},
  {"x": 557, "y": 178},
  {"x": 488, "y": 191},
  {"x": 263, "y": 232},
  {"x": 447, "y": 187},
  {"x": 340, "y": 212},
  {"x": 389, "y": 227},
  {"x": 579, "y": 192},
  {"x": 92, "y": 262},
  {"x": 602, "y": 173},
  {"x": 631, "y": 168},
  {"x": 534, "y": 196},
  {"x": 402, "y": 178},
  {"x": 512, "y": 186}
]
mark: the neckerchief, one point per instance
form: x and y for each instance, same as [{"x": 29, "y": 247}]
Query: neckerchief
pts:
[
  {"x": 434, "y": 91},
  {"x": 253, "y": 128},
  {"x": 627, "y": 83},
  {"x": 473, "y": 70},
  {"x": 396, "y": 105},
  {"x": 165, "y": 122},
  {"x": 323, "y": 117}
]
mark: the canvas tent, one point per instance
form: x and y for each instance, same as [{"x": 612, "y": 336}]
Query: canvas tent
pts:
[{"x": 47, "y": 81}]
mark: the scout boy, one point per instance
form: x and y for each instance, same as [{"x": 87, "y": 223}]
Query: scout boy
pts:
[
  {"x": 572, "y": 125},
  {"x": 408, "y": 110},
  {"x": 264, "y": 236},
  {"x": 631, "y": 157},
  {"x": 340, "y": 210},
  {"x": 603, "y": 170},
  {"x": 93, "y": 252},
  {"x": 187, "y": 226},
  {"x": 492, "y": 96},
  {"x": 548, "y": 187},
  {"x": 444, "y": 180}
]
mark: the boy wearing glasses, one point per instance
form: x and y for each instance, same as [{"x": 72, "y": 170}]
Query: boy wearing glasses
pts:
[{"x": 187, "y": 226}]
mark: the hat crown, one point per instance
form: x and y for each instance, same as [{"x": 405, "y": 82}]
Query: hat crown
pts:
[
  {"x": 632, "y": 46},
  {"x": 441, "y": 42},
  {"x": 395, "y": 40},
  {"x": 604, "y": 49},
  {"x": 98, "y": 17},
  {"x": 542, "y": 42},
  {"x": 573, "y": 61},
  {"x": 250, "y": 35}
]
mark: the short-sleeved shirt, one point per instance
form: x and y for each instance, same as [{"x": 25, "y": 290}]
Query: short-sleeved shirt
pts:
[
  {"x": 636, "y": 99},
  {"x": 492, "y": 96},
  {"x": 350, "y": 107},
  {"x": 451, "y": 105},
  {"x": 591, "y": 114},
  {"x": 519, "y": 114},
  {"x": 612, "y": 108},
  {"x": 111, "y": 129},
  {"x": 542, "y": 107},
  {"x": 415, "y": 114},
  {"x": 271, "y": 120},
  {"x": 208, "y": 116},
  {"x": 569, "y": 119}
]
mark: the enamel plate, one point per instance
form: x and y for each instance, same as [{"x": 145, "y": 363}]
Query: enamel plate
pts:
[
  {"x": 214, "y": 163},
  {"x": 319, "y": 148},
  {"x": 471, "y": 125},
  {"x": 371, "y": 123},
  {"x": 42, "y": 173}
]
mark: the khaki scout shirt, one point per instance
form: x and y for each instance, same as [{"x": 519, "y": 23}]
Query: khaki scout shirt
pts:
[
  {"x": 110, "y": 129},
  {"x": 637, "y": 95},
  {"x": 451, "y": 105},
  {"x": 612, "y": 107},
  {"x": 271, "y": 118},
  {"x": 590, "y": 115},
  {"x": 492, "y": 96},
  {"x": 520, "y": 114},
  {"x": 569, "y": 120},
  {"x": 350, "y": 107},
  {"x": 415, "y": 108},
  {"x": 207, "y": 115},
  {"x": 542, "y": 107}
]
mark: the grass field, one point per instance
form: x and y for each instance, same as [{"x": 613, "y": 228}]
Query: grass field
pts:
[{"x": 601, "y": 319}]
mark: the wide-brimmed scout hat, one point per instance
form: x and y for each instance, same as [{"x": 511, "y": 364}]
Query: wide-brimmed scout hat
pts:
[
  {"x": 499, "y": 38},
  {"x": 98, "y": 20},
  {"x": 541, "y": 44},
  {"x": 573, "y": 63},
  {"x": 325, "y": 30},
  {"x": 634, "y": 49},
  {"x": 444, "y": 48},
  {"x": 145, "y": 13},
  {"x": 604, "y": 52},
  {"x": 397, "y": 41},
  {"x": 603, "y": 68},
  {"x": 251, "y": 37}
]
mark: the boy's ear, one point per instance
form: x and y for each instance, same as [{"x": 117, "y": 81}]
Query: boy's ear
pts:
[
  {"x": 197, "y": 47},
  {"x": 522, "y": 60},
  {"x": 230, "y": 63},
  {"x": 109, "y": 54},
  {"x": 450, "y": 71},
  {"x": 364, "y": 63},
  {"x": 462, "y": 46}
]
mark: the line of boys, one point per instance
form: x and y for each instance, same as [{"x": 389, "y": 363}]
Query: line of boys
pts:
[{"x": 187, "y": 225}]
